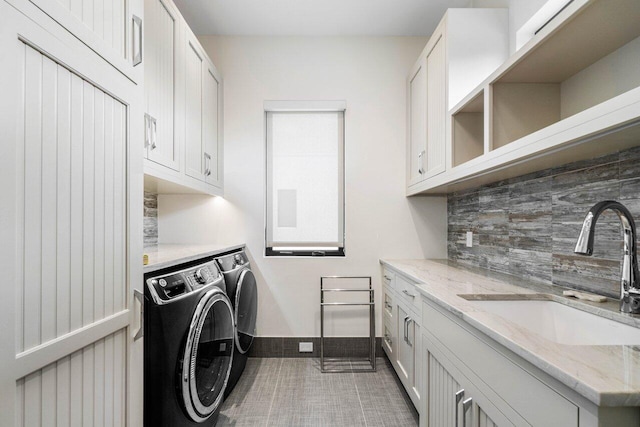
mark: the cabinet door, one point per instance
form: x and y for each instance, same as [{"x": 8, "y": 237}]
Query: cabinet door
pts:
[
  {"x": 106, "y": 26},
  {"x": 416, "y": 122},
  {"x": 443, "y": 381},
  {"x": 212, "y": 125},
  {"x": 194, "y": 84},
  {"x": 441, "y": 395},
  {"x": 68, "y": 355},
  {"x": 443, "y": 407},
  {"x": 436, "y": 110},
  {"x": 404, "y": 356},
  {"x": 389, "y": 322},
  {"x": 161, "y": 44},
  {"x": 408, "y": 352}
]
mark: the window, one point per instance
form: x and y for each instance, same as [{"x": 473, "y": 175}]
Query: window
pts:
[{"x": 305, "y": 178}]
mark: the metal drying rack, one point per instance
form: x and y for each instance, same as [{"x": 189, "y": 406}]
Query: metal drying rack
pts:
[{"x": 372, "y": 324}]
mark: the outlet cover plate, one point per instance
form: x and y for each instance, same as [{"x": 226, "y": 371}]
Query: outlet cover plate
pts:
[{"x": 305, "y": 347}]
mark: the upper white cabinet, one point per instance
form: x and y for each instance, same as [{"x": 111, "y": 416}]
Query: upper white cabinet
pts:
[
  {"x": 203, "y": 115},
  {"x": 194, "y": 86},
  {"x": 436, "y": 98},
  {"x": 161, "y": 44},
  {"x": 183, "y": 143},
  {"x": 416, "y": 122},
  {"x": 111, "y": 28},
  {"x": 212, "y": 126},
  {"x": 465, "y": 48},
  {"x": 568, "y": 94}
]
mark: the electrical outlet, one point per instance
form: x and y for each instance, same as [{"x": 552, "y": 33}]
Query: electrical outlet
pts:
[
  {"x": 305, "y": 347},
  {"x": 469, "y": 239}
]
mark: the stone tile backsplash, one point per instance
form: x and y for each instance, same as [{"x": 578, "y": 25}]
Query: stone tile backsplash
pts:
[
  {"x": 150, "y": 220},
  {"x": 527, "y": 226}
]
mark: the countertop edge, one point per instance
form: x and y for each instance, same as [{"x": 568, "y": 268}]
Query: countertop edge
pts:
[
  {"x": 603, "y": 399},
  {"x": 191, "y": 257}
]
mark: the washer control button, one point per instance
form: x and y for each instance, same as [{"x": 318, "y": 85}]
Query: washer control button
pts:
[{"x": 163, "y": 283}]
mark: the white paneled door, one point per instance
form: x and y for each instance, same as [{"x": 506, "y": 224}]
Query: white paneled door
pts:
[{"x": 70, "y": 230}]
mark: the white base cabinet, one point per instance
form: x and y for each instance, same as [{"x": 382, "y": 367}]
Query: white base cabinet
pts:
[
  {"x": 451, "y": 400},
  {"x": 402, "y": 338},
  {"x": 504, "y": 389},
  {"x": 457, "y": 376}
]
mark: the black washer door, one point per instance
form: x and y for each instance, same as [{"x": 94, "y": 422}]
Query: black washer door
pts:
[
  {"x": 208, "y": 354},
  {"x": 246, "y": 310}
]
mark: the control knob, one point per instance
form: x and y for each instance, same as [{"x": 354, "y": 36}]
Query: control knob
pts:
[
  {"x": 238, "y": 259},
  {"x": 201, "y": 275}
]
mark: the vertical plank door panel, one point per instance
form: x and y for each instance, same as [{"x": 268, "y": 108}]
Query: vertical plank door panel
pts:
[
  {"x": 31, "y": 312},
  {"x": 63, "y": 210},
  {"x": 88, "y": 205},
  {"x": 98, "y": 215},
  {"x": 63, "y": 392},
  {"x": 76, "y": 204},
  {"x": 108, "y": 206},
  {"x": 49, "y": 205}
]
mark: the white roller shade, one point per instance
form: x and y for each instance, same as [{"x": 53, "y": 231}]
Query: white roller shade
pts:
[{"x": 305, "y": 179}]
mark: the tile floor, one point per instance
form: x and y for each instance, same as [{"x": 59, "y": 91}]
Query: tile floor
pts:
[{"x": 293, "y": 392}]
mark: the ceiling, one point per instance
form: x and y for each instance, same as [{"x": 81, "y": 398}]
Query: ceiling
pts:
[{"x": 315, "y": 17}]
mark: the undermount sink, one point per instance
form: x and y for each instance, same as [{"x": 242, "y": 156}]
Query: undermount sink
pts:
[{"x": 561, "y": 323}]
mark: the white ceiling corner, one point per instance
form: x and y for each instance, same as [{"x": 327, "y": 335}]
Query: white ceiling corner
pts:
[{"x": 315, "y": 17}]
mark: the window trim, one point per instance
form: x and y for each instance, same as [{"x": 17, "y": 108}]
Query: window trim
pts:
[{"x": 307, "y": 249}]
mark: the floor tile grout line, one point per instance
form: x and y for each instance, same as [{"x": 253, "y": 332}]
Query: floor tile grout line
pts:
[
  {"x": 275, "y": 389},
  {"x": 353, "y": 375}
]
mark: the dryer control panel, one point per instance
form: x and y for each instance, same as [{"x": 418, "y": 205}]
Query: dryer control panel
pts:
[
  {"x": 170, "y": 286},
  {"x": 232, "y": 261}
]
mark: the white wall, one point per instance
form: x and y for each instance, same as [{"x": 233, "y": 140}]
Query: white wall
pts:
[{"x": 369, "y": 74}]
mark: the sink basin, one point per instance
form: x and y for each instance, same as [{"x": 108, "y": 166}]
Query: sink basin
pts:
[{"x": 562, "y": 324}]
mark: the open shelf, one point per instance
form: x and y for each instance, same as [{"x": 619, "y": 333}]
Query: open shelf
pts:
[
  {"x": 572, "y": 92},
  {"x": 468, "y": 131},
  {"x": 593, "y": 57}
]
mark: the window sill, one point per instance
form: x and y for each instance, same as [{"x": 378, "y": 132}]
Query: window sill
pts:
[{"x": 270, "y": 252}]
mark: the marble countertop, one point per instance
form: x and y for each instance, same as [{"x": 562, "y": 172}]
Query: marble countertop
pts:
[
  {"x": 162, "y": 256},
  {"x": 607, "y": 375}
]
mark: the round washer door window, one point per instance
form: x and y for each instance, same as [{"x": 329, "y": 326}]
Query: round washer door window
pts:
[
  {"x": 246, "y": 310},
  {"x": 208, "y": 354}
]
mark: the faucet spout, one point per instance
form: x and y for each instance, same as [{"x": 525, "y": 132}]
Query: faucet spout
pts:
[{"x": 629, "y": 291}]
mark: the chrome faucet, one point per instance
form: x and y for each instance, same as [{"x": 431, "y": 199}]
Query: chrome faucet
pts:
[{"x": 629, "y": 291}]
